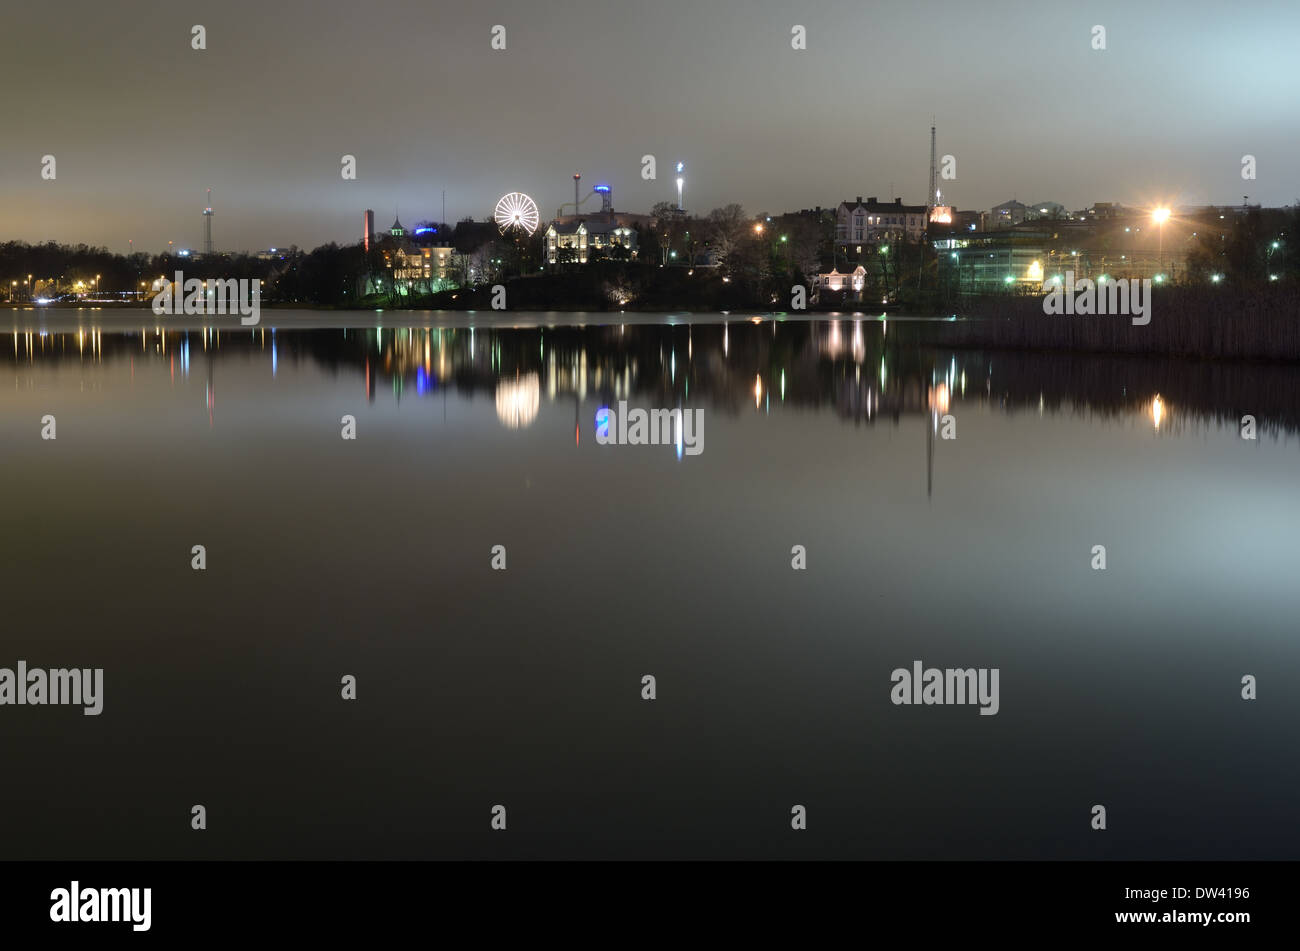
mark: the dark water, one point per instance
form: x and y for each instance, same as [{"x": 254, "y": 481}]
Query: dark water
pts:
[{"x": 522, "y": 687}]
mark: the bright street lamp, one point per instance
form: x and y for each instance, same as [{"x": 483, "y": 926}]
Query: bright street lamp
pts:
[{"x": 1160, "y": 216}]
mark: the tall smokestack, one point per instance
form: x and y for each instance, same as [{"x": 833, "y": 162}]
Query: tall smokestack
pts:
[
  {"x": 207, "y": 225},
  {"x": 577, "y": 177}
]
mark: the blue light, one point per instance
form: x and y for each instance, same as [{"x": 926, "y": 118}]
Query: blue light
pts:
[
  {"x": 601, "y": 188},
  {"x": 424, "y": 231},
  {"x": 602, "y": 423}
]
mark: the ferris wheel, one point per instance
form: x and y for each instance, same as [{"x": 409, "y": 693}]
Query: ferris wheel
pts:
[{"x": 517, "y": 210}]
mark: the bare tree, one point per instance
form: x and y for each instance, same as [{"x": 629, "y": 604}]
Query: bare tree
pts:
[{"x": 726, "y": 226}]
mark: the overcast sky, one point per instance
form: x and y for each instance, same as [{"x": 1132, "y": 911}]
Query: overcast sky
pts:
[{"x": 140, "y": 124}]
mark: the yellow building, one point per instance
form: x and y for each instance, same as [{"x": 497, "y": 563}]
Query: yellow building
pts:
[{"x": 420, "y": 264}]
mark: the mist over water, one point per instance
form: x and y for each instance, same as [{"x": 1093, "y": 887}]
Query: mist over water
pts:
[{"x": 371, "y": 557}]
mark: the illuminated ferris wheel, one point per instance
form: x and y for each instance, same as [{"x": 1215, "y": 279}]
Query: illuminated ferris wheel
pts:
[{"x": 517, "y": 210}]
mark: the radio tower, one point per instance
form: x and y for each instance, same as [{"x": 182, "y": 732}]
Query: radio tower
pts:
[
  {"x": 207, "y": 224},
  {"x": 934, "y": 181}
]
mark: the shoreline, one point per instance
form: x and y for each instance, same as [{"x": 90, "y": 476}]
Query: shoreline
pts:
[{"x": 1256, "y": 325}]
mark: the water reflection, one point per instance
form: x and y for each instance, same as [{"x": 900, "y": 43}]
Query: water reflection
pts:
[
  {"x": 331, "y": 554},
  {"x": 858, "y": 372},
  {"x": 518, "y": 401}
]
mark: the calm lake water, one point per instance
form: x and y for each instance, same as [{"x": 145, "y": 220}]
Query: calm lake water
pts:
[{"x": 329, "y": 557}]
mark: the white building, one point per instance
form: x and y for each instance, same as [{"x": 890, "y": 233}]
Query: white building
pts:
[
  {"x": 1007, "y": 214},
  {"x": 868, "y": 222},
  {"x": 851, "y": 281},
  {"x": 578, "y": 240}
]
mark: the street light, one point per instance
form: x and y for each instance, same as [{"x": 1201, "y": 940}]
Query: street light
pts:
[{"x": 1160, "y": 216}]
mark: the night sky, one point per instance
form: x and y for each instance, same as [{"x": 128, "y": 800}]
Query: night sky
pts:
[{"x": 141, "y": 124}]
